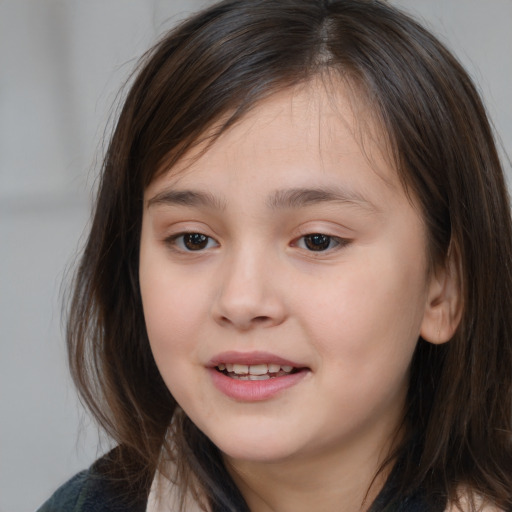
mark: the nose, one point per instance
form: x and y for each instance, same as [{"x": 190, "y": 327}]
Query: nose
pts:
[{"x": 248, "y": 294}]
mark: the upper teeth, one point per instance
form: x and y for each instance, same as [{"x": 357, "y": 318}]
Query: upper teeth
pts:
[{"x": 254, "y": 369}]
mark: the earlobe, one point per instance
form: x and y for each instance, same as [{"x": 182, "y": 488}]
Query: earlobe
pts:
[{"x": 443, "y": 309}]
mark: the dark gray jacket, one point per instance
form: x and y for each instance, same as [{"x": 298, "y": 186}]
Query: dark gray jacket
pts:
[{"x": 90, "y": 491}]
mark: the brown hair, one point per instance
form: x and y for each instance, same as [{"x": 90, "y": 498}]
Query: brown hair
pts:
[{"x": 220, "y": 63}]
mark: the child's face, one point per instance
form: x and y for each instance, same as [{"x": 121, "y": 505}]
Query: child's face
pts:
[{"x": 282, "y": 245}]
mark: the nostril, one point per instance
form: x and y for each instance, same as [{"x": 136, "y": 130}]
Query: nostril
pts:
[
  {"x": 260, "y": 319},
  {"x": 257, "y": 320}
]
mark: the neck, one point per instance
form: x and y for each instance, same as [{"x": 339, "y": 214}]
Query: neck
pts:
[{"x": 327, "y": 482}]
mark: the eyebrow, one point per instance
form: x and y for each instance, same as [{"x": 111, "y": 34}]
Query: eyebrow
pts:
[
  {"x": 300, "y": 197},
  {"x": 293, "y": 198},
  {"x": 189, "y": 198}
]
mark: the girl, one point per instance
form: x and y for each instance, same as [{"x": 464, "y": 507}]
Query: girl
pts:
[{"x": 296, "y": 291}]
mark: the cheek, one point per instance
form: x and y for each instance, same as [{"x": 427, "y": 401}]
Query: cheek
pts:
[
  {"x": 172, "y": 308},
  {"x": 367, "y": 320},
  {"x": 367, "y": 334},
  {"x": 160, "y": 305},
  {"x": 172, "y": 321}
]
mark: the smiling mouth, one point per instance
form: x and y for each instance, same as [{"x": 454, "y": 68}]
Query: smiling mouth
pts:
[{"x": 255, "y": 371}]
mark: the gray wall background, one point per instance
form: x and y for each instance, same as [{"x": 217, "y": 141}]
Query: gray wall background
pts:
[{"x": 61, "y": 65}]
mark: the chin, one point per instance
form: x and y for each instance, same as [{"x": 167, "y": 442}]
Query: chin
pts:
[
  {"x": 254, "y": 446},
  {"x": 255, "y": 454}
]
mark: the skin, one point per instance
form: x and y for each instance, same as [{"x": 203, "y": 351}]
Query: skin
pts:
[{"x": 351, "y": 314}]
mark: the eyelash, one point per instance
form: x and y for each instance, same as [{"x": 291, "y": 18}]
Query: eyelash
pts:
[
  {"x": 178, "y": 241},
  {"x": 325, "y": 243},
  {"x": 331, "y": 242}
]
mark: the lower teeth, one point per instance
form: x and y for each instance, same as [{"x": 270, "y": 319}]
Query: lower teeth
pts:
[{"x": 248, "y": 376}]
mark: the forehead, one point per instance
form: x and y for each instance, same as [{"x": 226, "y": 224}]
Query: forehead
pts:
[{"x": 312, "y": 126}]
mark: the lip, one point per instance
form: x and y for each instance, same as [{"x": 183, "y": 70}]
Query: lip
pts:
[
  {"x": 249, "y": 358},
  {"x": 254, "y": 390}
]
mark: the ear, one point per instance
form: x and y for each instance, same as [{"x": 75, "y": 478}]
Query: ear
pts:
[{"x": 443, "y": 309}]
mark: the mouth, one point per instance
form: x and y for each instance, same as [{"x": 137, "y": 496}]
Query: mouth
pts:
[
  {"x": 261, "y": 371},
  {"x": 255, "y": 376}
]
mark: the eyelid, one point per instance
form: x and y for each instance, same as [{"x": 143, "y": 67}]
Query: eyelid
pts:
[
  {"x": 340, "y": 242},
  {"x": 172, "y": 242}
]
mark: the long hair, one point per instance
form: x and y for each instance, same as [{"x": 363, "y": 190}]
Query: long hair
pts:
[{"x": 218, "y": 65}]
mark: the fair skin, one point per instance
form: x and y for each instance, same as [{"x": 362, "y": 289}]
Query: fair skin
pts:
[{"x": 284, "y": 243}]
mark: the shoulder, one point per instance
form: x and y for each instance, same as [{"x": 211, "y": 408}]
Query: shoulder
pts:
[
  {"x": 471, "y": 502},
  {"x": 166, "y": 496},
  {"x": 68, "y": 496},
  {"x": 91, "y": 491},
  {"x": 465, "y": 506}
]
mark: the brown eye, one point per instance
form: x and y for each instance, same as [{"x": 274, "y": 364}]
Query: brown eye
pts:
[
  {"x": 195, "y": 241},
  {"x": 317, "y": 242},
  {"x": 191, "y": 242}
]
